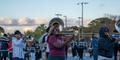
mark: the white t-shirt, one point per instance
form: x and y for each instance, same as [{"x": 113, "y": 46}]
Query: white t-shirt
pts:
[{"x": 18, "y": 46}]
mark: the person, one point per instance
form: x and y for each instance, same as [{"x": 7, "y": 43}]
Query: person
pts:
[
  {"x": 116, "y": 44},
  {"x": 76, "y": 48},
  {"x": 81, "y": 45},
  {"x": 56, "y": 42},
  {"x": 10, "y": 49},
  {"x": 38, "y": 52},
  {"x": 27, "y": 51},
  {"x": 105, "y": 43},
  {"x": 44, "y": 41},
  {"x": 73, "y": 46},
  {"x": 1, "y": 38},
  {"x": 18, "y": 46},
  {"x": 94, "y": 44},
  {"x": 90, "y": 50},
  {"x": 4, "y": 47},
  {"x": 66, "y": 50},
  {"x": 30, "y": 48}
]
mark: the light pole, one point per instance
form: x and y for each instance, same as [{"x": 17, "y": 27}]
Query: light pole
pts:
[
  {"x": 79, "y": 28},
  {"x": 82, "y": 4},
  {"x": 58, "y": 15}
]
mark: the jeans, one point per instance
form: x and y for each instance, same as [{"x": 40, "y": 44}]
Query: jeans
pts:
[{"x": 95, "y": 54}]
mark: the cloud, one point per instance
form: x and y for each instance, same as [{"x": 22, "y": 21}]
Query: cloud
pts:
[
  {"x": 36, "y": 21},
  {"x": 31, "y": 24},
  {"x": 22, "y": 23},
  {"x": 5, "y": 21},
  {"x": 40, "y": 20},
  {"x": 23, "y": 20}
]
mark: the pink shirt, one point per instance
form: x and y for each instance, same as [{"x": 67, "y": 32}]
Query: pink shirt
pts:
[{"x": 53, "y": 50}]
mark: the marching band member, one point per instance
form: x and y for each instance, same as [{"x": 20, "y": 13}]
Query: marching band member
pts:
[
  {"x": 18, "y": 45},
  {"x": 44, "y": 41},
  {"x": 57, "y": 43},
  {"x": 30, "y": 48},
  {"x": 4, "y": 46}
]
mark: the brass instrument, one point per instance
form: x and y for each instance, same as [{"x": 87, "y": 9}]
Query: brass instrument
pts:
[
  {"x": 117, "y": 25},
  {"x": 117, "y": 34},
  {"x": 58, "y": 20}
]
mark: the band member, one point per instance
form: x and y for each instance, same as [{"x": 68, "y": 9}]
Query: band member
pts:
[
  {"x": 4, "y": 47},
  {"x": 18, "y": 46},
  {"x": 30, "y": 48},
  {"x": 94, "y": 44},
  {"x": 105, "y": 42},
  {"x": 116, "y": 44},
  {"x": 57, "y": 43},
  {"x": 38, "y": 51},
  {"x": 81, "y": 45},
  {"x": 45, "y": 42}
]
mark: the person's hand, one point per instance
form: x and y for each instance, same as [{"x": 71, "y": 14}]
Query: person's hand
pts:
[{"x": 106, "y": 33}]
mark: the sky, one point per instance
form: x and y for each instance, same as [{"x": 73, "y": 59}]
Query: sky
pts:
[{"x": 46, "y": 9}]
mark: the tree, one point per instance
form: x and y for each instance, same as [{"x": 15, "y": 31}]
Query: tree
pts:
[
  {"x": 28, "y": 32},
  {"x": 1, "y": 29},
  {"x": 39, "y": 31},
  {"x": 95, "y": 24}
]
